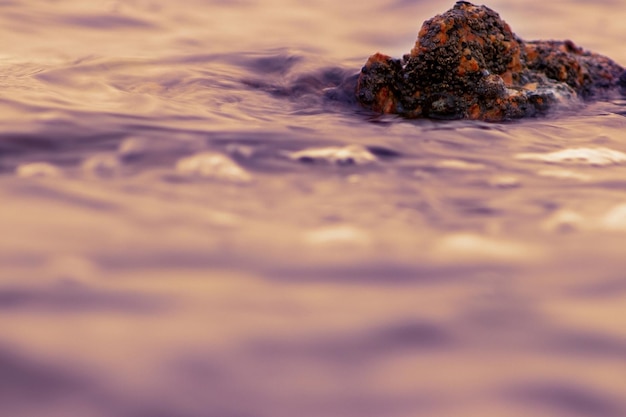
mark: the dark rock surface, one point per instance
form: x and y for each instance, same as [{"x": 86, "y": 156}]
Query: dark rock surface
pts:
[{"x": 467, "y": 63}]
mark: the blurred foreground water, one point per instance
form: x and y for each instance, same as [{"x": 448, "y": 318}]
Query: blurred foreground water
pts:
[{"x": 188, "y": 228}]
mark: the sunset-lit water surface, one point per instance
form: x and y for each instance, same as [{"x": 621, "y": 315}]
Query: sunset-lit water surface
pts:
[{"x": 189, "y": 228}]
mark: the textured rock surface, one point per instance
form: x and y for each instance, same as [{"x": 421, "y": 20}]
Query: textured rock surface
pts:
[{"x": 467, "y": 63}]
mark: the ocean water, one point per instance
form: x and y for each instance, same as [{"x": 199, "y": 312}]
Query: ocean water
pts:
[{"x": 190, "y": 227}]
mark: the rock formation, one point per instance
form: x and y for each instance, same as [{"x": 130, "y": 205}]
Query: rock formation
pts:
[{"x": 467, "y": 63}]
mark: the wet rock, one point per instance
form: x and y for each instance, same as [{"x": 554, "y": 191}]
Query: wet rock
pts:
[
  {"x": 622, "y": 83},
  {"x": 590, "y": 75},
  {"x": 467, "y": 63}
]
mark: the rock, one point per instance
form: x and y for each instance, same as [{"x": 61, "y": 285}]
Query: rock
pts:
[{"x": 468, "y": 64}]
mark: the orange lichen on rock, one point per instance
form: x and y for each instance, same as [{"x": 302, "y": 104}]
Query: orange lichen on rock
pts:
[
  {"x": 590, "y": 75},
  {"x": 467, "y": 63},
  {"x": 383, "y": 99}
]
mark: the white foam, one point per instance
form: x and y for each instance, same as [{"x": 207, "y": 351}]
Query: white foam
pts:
[
  {"x": 214, "y": 166},
  {"x": 583, "y": 156}
]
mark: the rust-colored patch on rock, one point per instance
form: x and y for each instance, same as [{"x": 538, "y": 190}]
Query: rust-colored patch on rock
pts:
[{"x": 467, "y": 63}]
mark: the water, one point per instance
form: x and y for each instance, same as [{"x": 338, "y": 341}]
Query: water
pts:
[{"x": 189, "y": 228}]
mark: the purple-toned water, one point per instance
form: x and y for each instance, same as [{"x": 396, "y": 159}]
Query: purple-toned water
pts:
[{"x": 189, "y": 227}]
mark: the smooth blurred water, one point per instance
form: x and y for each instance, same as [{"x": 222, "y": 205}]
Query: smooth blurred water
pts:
[{"x": 190, "y": 227}]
